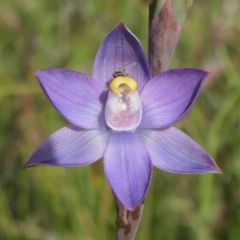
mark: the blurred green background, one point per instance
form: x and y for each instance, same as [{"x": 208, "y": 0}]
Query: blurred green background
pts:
[{"x": 45, "y": 203}]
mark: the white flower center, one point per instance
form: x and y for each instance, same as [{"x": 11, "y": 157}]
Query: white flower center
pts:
[{"x": 123, "y": 110}]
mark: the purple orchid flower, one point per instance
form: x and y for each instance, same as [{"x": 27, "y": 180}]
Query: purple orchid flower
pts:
[{"x": 125, "y": 116}]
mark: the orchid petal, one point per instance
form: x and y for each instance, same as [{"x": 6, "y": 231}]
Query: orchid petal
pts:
[
  {"x": 77, "y": 97},
  {"x": 169, "y": 95},
  {"x": 119, "y": 49},
  {"x": 70, "y": 147},
  {"x": 173, "y": 151},
  {"x": 128, "y": 168}
]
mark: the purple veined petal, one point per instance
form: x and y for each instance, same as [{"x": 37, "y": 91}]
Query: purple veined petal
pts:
[
  {"x": 128, "y": 168},
  {"x": 169, "y": 95},
  {"x": 70, "y": 147},
  {"x": 77, "y": 97},
  {"x": 173, "y": 151},
  {"x": 119, "y": 49}
]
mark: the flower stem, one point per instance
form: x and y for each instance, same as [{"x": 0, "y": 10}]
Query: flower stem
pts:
[
  {"x": 165, "y": 23},
  {"x": 127, "y": 221}
]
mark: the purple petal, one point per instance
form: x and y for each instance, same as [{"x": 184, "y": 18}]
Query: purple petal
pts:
[
  {"x": 168, "y": 96},
  {"x": 128, "y": 168},
  {"x": 77, "y": 97},
  {"x": 119, "y": 49},
  {"x": 70, "y": 147},
  {"x": 173, "y": 151}
]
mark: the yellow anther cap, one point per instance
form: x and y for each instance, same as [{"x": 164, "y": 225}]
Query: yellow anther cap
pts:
[{"x": 123, "y": 80}]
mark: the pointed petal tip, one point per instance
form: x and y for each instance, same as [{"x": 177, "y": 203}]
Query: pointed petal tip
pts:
[
  {"x": 214, "y": 168},
  {"x": 25, "y": 166},
  {"x": 123, "y": 27},
  {"x": 131, "y": 208},
  {"x": 28, "y": 165},
  {"x": 31, "y": 165},
  {"x": 218, "y": 170},
  {"x": 37, "y": 73},
  {"x": 201, "y": 70},
  {"x": 121, "y": 24},
  {"x": 205, "y": 73}
]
